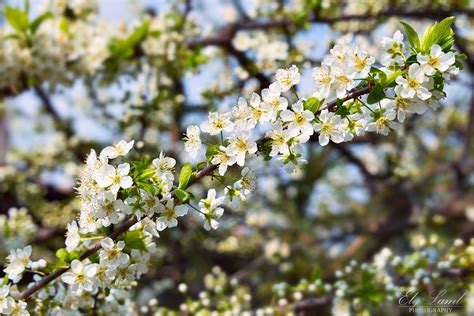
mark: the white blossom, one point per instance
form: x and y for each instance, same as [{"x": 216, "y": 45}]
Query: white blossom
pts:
[
  {"x": 329, "y": 128},
  {"x": 225, "y": 157},
  {"x": 80, "y": 277},
  {"x": 436, "y": 60},
  {"x": 211, "y": 210},
  {"x": 121, "y": 148},
  {"x": 240, "y": 145},
  {"x": 72, "y": 236},
  {"x": 169, "y": 215},
  {"x": 114, "y": 178},
  {"x": 299, "y": 119},
  {"x": 192, "y": 140},
  {"x": 217, "y": 123},
  {"x": 413, "y": 83},
  {"x": 18, "y": 261},
  {"x": 287, "y": 78}
]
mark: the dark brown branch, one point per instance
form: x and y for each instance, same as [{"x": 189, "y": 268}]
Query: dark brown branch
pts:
[
  {"x": 224, "y": 37},
  {"x": 48, "y": 105}
]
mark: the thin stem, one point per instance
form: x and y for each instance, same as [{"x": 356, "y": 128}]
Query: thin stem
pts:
[
  {"x": 294, "y": 91},
  {"x": 196, "y": 209}
]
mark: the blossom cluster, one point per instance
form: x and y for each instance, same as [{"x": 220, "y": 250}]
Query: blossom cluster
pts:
[
  {"x": 352, "y": 289},
  {"x": 16, "y": 229},
  {"x": 114, "y": 189},
  {"x": 56, "y": 48},
  {"x": 404, "y": 87}
]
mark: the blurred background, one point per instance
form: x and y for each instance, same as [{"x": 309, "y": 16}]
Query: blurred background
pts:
[{"x": 91, "y": 77}]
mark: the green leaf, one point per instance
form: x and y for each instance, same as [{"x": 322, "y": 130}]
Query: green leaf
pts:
[
  {"x": 342, "y": 110},
  {"x": 148, "y": 187},
  {"x": 411, "y": 35},
  {"x": 64, "y": 25},
  {"x": 145, "y": 174},
  {"x": 17, "y": 18},
  {"x": 316, "y": 274},
  {"x": 376, "y": 94},
  {"x": 382, "y": 76},
  {"x": 438, "y": 33},
  {"x": 411, "y": 60},
  {"x": 134, "y": 239},
  {"x": 182, "y": 195},
  {"x": 211, "y": 151},
  {"x": 94, "y": 258},
  {"x": 74, "y": 255},
  {"x": 39, "y": 20},
  {"x": 5, "y": 280},
  {"x": 312, "y": 104},
  {"x": 390, "y": 80},
  {"x": 201, "y": 165},
  {"x": 62, "y": 254},
  {"x": 186, "y": 176}
]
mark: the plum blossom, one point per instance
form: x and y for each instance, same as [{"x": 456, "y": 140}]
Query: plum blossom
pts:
[
  {"x": 225, "y": 157},
  {"x": 114, "y": 179},
  {"x": 211, "y": 210},
  {"x": 112, "y": 253},
  {"x": 122, "y": 148},
  {"x": 242, "y": 114},
  {"x": 73, "y": 238},
  {"x": 287, "y": 78},
  {"x": 273, "y": 102},
  {"x": 80, "y": 277},
  {"x": 169, "y": 215},
  {"x": 18, "y": 261},
  {"x": 436, "y": 60},
  {"x": 383, "y": 120},
  {"x": 217, "y": 123},
  {"x": 280, "y": 138},
  {"x": 192, "y": 140},
  {"x": 164, "y": 166},
  {"x": 323, "y": 80},
  {"x": 241, "y": 146},
  {"x": 393, "y": 50},
  {"x": 404, "y": 105},
  {"x": 329, "y": 128},
  {"x": 299, "y": 119},
  {"x": 413, "y": 83}
]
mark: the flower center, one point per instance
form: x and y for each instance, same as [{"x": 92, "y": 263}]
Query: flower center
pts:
[
  {"x": 299, "y": 118},
  {"x": 241, "y": 145},
  {"x": 402, "y": 103},
  {"x": 80, "y": 278},
  {"x": 433, "y": 62},
  {"x": 413, "y": 84},
  {"x": 360, "y": 63},
  {"x": 382, "y": 122},
  {"x": 327, "y": 128}
]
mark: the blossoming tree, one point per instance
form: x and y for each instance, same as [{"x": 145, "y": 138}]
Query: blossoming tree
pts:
[{"x": 300, "y": 185}]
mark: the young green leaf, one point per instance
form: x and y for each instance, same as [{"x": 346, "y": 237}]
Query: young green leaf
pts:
[
  {"x": 438, "y": 33},
  {"x": 134, "y": 240},
  {"x": 411, "y": 35},
  {"x": 376, "y": 94},
  {"x": 312, "y": 104},
  {"x": 17, "y": 18},
  {"x": 211, "y": 151},
  {"x": 182, "y": 195},
  {"x": 39, "y": 20},
  {"x": 185, "y": 176},
  {"x": 62, "y": 254}
]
